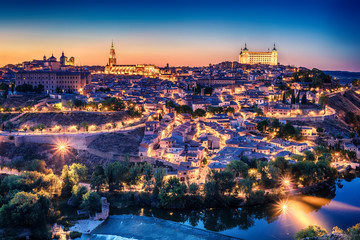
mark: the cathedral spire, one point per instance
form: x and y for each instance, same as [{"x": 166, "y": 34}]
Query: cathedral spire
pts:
[{"x": 112, "y": 58}]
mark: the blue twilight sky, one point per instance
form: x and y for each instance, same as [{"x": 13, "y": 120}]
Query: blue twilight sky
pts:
[{"x": 323, "y": 34}]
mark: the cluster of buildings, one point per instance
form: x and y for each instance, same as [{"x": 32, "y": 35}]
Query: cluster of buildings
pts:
[{"x": 241, "y": 94}]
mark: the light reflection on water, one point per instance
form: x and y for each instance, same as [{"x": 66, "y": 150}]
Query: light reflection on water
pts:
[{"x": 336, "y": 206}]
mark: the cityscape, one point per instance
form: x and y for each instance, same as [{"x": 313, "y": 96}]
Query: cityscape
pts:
[{"x": 169, "y": 121}]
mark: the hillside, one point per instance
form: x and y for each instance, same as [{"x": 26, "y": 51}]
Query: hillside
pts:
[
  {"x": 349, "y": 102},
  {"x": 70, "y": 118},
  {"x": 119, "y": 143}
]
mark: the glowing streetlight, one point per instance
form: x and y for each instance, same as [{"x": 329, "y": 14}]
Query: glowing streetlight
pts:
[
  {"x": 285, "y": 182},
  {"x": 61, "y": 148}
]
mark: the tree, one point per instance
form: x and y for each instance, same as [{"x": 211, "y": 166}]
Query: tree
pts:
[
  {"x": 356, "y": 82},
  {"x": 25, "y": 210},
  {"x": 354, "y": 232},
  {"x": 230, "y": 110},
  {"x": 4, "y": 87},
  {"x": 148, "y": 175},
  {"x": 323, "y": 101},
  {"x": 134, "y": 174},
  {"x": 68, "y": 181},
  {"x": 312, "y": 231},
  {"x": 320, "y": 130},
  {"x": 309, "y": 155},
  {"x": 297, "y": 157},
  {"x": 38, "y": 166},
  {"x": 91, "y": 202},
  {"x": 41, "y": 127},
  {"x": 116, "y": 174},
  {"x": 39, "y": 88},
  {"x": 9, "y": 126},
  {"x": 78, "y": 103},
  {"x": 262, "y": 125},
  {"x": 199, "y": 113},
  {"x": 297, "y": 100},
  {"x": 238, "y": 168},
  {"x": 79, "y": 172},
  {"x": 98, "y": 179},
  {"x": 85, "y": 126},
  {"x": 172, "y": 193},
  {"x": 218, "y": 183},
  {"x": 58, "y": 90},
  {"x": 281, "y": 163},
  {"x": 77, "y": 195},
  {"x": 303, "y": 99},
  {"x": 284, "y": 99},
  {"x": 293, "y": 100},
  {"x": 246, "y": 185},
  {"x": 193, "y": 188},
  {"x": 159, "y": 175}
]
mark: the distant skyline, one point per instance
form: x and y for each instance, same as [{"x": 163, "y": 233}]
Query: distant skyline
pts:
[{"x": 323, "y": 34}]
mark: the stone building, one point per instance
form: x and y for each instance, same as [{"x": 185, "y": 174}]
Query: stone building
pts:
[
  {"x": 51, "y": 80},
  {"x": 269, "y": 58}
]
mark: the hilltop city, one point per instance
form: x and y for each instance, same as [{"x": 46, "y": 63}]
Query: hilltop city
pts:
[{"x": 235, "y": 133}]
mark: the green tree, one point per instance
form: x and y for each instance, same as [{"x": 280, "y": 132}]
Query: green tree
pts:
[
  {"x": 79, "y": 172},
  {"x": 98, "y": 179},
  {"x": 172, "y": 193},
  {"x": 159, "y": 175},
  {"x": 41, "y": 127},
  {"x": 303, "y": 99},
  {"x": 148, "y": 170},
  {"x": 238, "y": 168},
  {"x": 91, "y": 202},
  {"x": 77, "y": 195},
  {"x": 312, "y": 231},
  {"x": 193, "y": 188},
  {"x": 85, "y": 126},
  {"x": 246, "y": 185},
  {"x": 25, "y": 209},
  {"x": 199, "y": 113},
  {"x": 218, "y": 183},
  {"x": 68, "y": 181},
  {"x": 354, "y": 232},
  {"x": 309, "y": 156},
  {"x": 134, "y": 174},
  {"x": 116, "y": 174},
  {"x": 262, "y": 125},
  {"x": 323, "y": 101}
]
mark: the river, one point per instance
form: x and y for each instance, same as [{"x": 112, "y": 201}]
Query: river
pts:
[{"x": 339, "y": 205}]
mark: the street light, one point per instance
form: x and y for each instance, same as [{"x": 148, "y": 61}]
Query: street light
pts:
[{"x": 61, "y": 148}]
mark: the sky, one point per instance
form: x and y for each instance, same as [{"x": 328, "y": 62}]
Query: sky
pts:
[{"x": 319, "y": 33}]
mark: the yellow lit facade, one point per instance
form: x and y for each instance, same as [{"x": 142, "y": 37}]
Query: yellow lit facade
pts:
[
  {"x": 269, "y": 58},
  {"x": 139, "y": 69}
]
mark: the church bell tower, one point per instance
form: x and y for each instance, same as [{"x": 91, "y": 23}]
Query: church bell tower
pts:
[{"x": 112, "y": 58}]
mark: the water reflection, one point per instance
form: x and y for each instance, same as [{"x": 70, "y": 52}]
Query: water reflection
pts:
[{"x": 287, "y": 215}]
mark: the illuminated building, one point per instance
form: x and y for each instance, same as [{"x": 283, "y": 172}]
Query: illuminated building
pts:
[
  {"x": 51, "y": 80},
  {"x": 138, "y": 69},
  {"x": 50, "y": 63},
  {"x": 64, "y": 61},
  {"x": 112, "y": 58},
  {"x": 269, "y": 58}
]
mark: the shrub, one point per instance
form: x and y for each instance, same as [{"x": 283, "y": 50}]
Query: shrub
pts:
[{"x": 310, "y": 232}]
